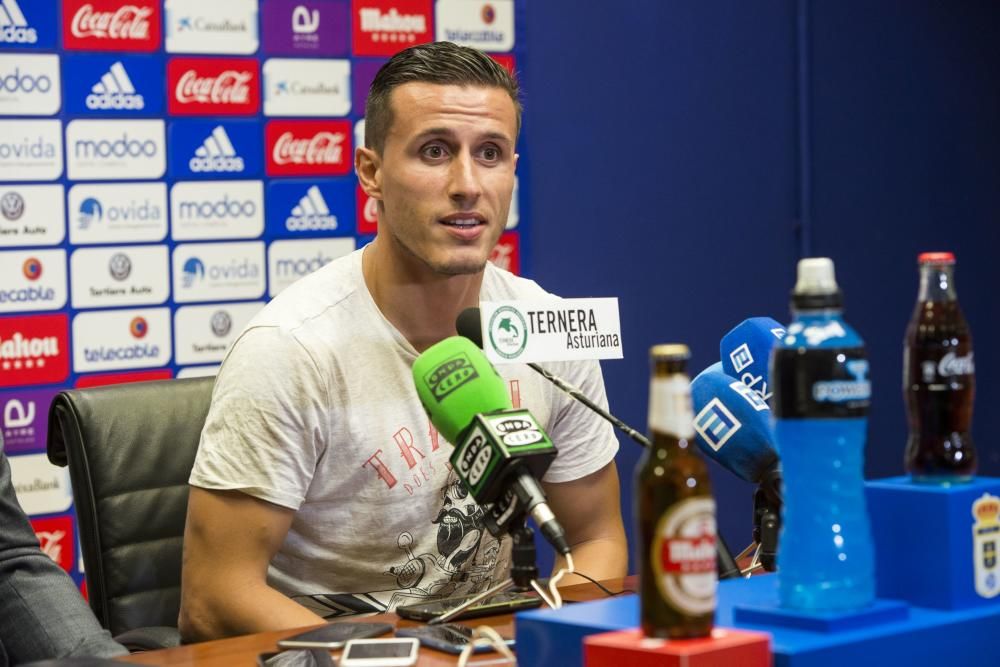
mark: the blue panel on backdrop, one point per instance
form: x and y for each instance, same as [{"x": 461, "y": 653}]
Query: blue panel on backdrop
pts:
[
  {"x": 324, "y": 207},
  {"x": 28, "y": 24},
  {"x": 113, "y": 85},
  {"x": 215, "y": 149}
]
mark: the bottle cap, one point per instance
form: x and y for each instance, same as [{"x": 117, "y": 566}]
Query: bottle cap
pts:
[
  {"x": 670, "y": 351},
  {"x": 816, "y": 276},
  {"x": 936, "y": 258}
]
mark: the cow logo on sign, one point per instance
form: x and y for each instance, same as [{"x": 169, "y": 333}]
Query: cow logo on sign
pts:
[{"x": 985, "y": 544}]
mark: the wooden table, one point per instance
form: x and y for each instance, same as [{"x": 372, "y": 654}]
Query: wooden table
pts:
[{"x": 239, "y": 651}]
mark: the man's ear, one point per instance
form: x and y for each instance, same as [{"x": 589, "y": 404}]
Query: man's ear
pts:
[{"x": 368, "y": 166}]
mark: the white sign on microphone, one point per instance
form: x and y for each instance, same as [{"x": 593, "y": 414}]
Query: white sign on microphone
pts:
[{"x": 551, "y": 330}]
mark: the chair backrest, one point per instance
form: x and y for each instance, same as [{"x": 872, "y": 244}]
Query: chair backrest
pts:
[{"x": 130, "y": 449}]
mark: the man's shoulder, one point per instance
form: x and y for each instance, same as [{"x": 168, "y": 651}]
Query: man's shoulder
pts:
[{"x": 500, "y": 284}]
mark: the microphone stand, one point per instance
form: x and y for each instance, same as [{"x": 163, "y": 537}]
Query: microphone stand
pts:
[{"x": 766, "y": 524}]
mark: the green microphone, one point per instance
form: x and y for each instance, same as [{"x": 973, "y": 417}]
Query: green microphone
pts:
[{"x": 500, "y": 453}]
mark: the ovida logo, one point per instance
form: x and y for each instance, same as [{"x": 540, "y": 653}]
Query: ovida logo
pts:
[
  {"x": 123, "y": 147},
  {"x": 32, "y": 268},
  {"x": 12, "y": 206},
  {"x": 14, "y": 28},
  {"x": 128, "y": 22},
  {"x": 22, "y": 82},
  {"x": 228, "y": 87},
  {"x": 90, "y": 211},
  {"x": 120, "y": 266},
  {"x": 37, "y": 149},
  {"x": 216, "y": 154},
  {"x": 220, "y": 208},
  {"x": 115, "y": 91},
  {"x": 305, "y": 22},
  {"x": 221, "y": 323},
  {"x": 321, "y": 148},
  {"x": 311, "y": 213},
  {"x": 194, "y": 271},
  {"x": 93, "y": 211},
  {"x": 237, "y": 269}
]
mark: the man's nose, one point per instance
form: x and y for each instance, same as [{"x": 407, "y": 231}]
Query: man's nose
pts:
[{"x": 465, "y": 185}]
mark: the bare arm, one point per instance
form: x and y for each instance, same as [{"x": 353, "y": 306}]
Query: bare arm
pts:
[
  {"x": 229, "y": 539},
  {"x": 590, "y": 511}
]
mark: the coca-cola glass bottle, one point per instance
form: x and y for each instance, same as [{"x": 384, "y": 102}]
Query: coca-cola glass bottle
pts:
[{"x": 939, "y": 380}]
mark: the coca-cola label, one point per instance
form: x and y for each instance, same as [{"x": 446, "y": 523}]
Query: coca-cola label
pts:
[
  {"x": 34, "y": 350},
  {"x": 213, "y": 86},
  {"x": 950, "y": 365},
  {"x": 506, "y": 253},
  {"x": 112, "y": 25},
  {"x": 683, "y": 555},
  {"x": 308, "y": 148},
  {"x": 384, "y": 27},
  {"x": 367, "y": 213},
  {"x": 55, "y": 538}
]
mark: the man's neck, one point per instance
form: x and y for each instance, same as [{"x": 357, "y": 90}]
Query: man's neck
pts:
[{"x": 419, "y": 302}]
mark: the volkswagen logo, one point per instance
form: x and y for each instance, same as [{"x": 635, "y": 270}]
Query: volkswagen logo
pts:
[
  {"x": 221, "y": 323},
  {"x": 120, "y": 266},
  {"x": 12, "y": 205}
]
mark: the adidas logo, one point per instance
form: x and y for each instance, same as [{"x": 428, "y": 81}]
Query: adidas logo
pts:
[
  {"x": 115, "y": 91},
  {"x": 216, "y": 153},
  {"x": 312, "y": 213},
  {"x": 14, "y": 28}
]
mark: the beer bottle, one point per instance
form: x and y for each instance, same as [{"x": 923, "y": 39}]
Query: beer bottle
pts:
[{"x": 675, "y": 510}]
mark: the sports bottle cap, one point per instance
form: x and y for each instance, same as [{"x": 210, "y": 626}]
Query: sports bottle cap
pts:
[{"x": 816, "y": 276}]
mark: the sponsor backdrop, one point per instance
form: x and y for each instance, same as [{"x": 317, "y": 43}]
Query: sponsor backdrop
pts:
[{"x": 166, "y": 167}]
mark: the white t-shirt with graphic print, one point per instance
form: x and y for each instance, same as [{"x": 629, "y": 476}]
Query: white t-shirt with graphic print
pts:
[{"x": 314, "y": 409}]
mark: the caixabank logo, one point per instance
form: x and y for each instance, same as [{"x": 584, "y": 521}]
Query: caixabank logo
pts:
[
  {"x": 216, "y": 210},
  {"x": 213, "y": 86},
  {"x": 307, "y": 87},
  {"x": 113, "y": 85},
  {"x": 121, "y": 339},
  {"x": 218, "y": 271},
  {"x": 29, "y": 85},
  {"x": 306, "y": 27},
  {"x": 308, "y": 147},
  {"x": 203, "y": 334},
  {"x": 34, "y": 349},
  {"x": 287, "y": 261},
  {"x": 112, "y": 25},
  {"x": 32, "y": 280},
  {"x": 32, "y": 215},
  {"x": 28, "y": 24},
  {"x": 119, "y": 276},
  {"x": 30, "y": 150},
  {"x": 40, "y": 486},
  {"x": 214, "y": 149},
  {"x": 384, "y": 27},
  {"x": 196, "y": 26},
  {"x": 24, "y": 419},
  {"x": 117, "y": 213},
  {"x": 310, "y": 208},
  {"x": 113, "y": 150}
]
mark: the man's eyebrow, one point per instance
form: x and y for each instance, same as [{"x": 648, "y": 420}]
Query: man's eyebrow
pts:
[{"x": 448, "y": 132}]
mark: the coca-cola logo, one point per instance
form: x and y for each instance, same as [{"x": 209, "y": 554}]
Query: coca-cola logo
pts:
[
  {"x": 951, "y": 365},
  {"x": 308, "y": 147},
  {"x": 112, "y": 25},
  {"x": 215, "y": 86},
  {"x": 55, "y": 538},
  {"x": 506, "y": 253}
]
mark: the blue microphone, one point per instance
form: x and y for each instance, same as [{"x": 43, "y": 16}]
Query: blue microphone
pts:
[{"x": 745, "y": 351}]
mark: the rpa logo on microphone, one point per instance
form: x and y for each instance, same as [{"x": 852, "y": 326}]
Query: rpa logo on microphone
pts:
[{"x": 716, "y": 424}]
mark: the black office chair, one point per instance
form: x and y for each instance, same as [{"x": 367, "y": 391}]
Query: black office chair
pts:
[{"x": 130, "y": 449}]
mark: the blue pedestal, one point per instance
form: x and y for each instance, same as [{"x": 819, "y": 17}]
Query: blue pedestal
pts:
[
  {"x": 928, "y": 637},
  {"x": 930, "y": 548}
]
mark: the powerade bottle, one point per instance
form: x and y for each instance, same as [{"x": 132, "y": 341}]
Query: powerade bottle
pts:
[{"x": 826, "y": 560}]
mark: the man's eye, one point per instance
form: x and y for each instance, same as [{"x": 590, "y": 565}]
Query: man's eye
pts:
[
  {"x": 491, "y": 153},
  {"x": 434, "y": 151}
]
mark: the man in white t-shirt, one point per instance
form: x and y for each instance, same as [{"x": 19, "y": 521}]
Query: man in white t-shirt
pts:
[{"x": 318, "y": 471}]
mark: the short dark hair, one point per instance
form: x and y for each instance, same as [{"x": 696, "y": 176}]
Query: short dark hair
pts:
[{"x": 438, "y": 62}]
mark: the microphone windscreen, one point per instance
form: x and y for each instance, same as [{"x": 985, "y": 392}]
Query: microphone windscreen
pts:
[
  {"x": 469, "y": 324},
  {"x": 732, "y": 424},
  {"x": 745, "y": 351},
  {"x": 455, "y": 382}
]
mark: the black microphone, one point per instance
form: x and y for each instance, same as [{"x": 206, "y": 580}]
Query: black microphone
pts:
[{"x": 469, "y": 325}]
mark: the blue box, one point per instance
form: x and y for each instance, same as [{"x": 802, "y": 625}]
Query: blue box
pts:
[{"x": 936, "y": 545}]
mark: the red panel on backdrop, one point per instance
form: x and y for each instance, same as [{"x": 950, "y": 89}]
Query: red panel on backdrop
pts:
[
  {"x": 507, "y": 253},
  {"x": 55, "y": 536},
  {"x": 112, "y": 25},
  {"x": 308, "y": 147},
  {"x": 122, "y": 378},
  {"x": 34, "y": 349},
  {"x": 213, "y": 86},
  {"x": 384, "y": 27},
  {"x": 367, "y": 222}
]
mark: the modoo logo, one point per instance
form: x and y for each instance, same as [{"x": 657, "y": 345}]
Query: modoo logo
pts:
[
  {"x": 14, "y": 28},
  {"x": 216, "y": 154},
  {"x": 33, "y": 148},
  {"x": 220, "y": 208},
  {"x": 301, "y": 266},
  {"x": 115, "y": 91},
  {"x": 23, "y": 82},
  {"x": 123, "y": 147}
]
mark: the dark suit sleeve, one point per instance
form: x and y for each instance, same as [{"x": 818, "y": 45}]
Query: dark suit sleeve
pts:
[{"x": 42, "y": 614}]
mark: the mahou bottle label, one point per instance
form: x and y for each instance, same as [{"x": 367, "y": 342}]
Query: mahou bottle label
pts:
[{"x": 683, "y": 556}]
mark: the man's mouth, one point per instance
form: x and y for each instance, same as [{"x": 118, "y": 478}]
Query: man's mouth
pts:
[{"x": 463, "y": 221}]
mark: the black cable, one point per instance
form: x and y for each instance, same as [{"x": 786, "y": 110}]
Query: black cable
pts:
[{"x": 607, "y": 592}]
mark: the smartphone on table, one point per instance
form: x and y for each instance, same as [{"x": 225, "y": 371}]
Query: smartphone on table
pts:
[
  {"x": 297, "y": 658},
  {"x": 388, "y": 652},
  {"x": 334, "y": 635},
  {"x": 501, "y": 603},
  {"x": 447, "y": 637}
]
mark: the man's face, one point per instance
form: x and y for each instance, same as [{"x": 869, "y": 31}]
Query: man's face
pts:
[{"x": 447, "y": 173}]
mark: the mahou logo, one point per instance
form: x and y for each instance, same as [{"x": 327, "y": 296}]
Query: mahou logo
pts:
[
  {"x": 112, "y": 25},
  {"x": 213, "y": 86},
  {"x": 308, "y": 148},
  {"x": 34, "y": 350},
  {"x": 384, "y": 27}
]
